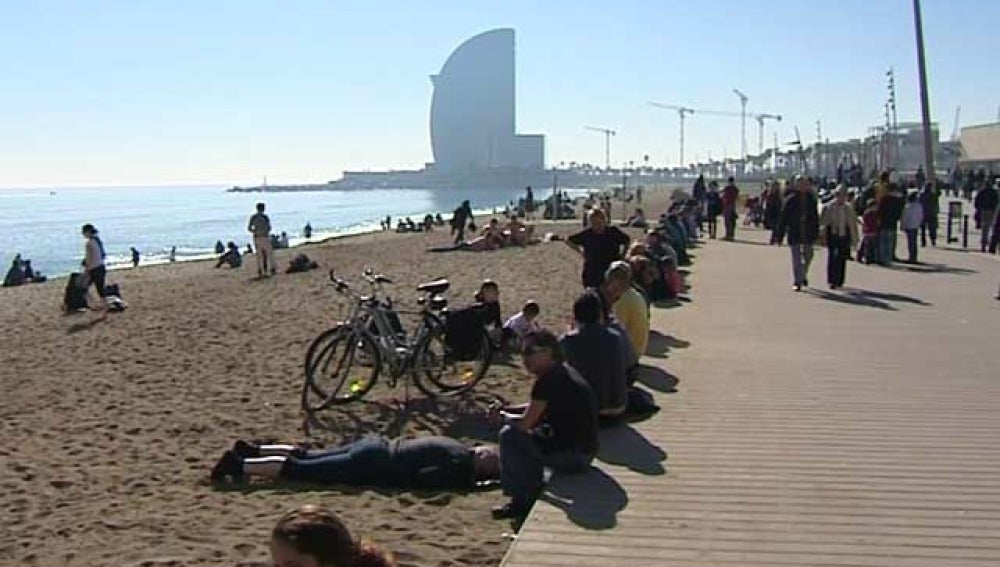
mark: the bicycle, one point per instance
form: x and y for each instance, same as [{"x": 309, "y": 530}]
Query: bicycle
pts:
[{"x": 344, "y": 362}]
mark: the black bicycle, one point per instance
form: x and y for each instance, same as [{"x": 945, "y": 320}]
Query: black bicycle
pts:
[{"x": 344, "y": 362}]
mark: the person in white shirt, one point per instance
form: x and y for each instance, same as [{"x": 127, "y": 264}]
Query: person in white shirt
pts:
[
  {"x": 913, "y": 217},
  {"x": 93, "y": 265},
  {"x": 839, "y": 226},
  {"x": 521, "y": 324}
]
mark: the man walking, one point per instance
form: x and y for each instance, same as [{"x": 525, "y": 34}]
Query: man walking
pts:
[
  {"x": 730, "y": 195},
  {"x": 799, "y": 222},
  {"x": 929, "y": 203},
  {"x": 260, "y": 227},
  {"x": 986, "y": 210},
  {"x": 460, "y": 219},
  {"x": 840, "y": 226}
]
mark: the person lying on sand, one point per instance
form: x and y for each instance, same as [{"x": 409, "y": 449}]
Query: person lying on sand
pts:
[
  {"x": 424, "y": 463},
  {"x": 491, "y": 238},
  {"x": 313, "y": 536}
]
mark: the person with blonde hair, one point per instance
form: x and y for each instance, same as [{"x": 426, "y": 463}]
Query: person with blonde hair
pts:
[{"x": 313, "y": 536}]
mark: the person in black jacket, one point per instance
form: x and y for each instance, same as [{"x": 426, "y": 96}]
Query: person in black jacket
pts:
[
  {"x": 431, "y": 463},
  {"x": 799, "y": 222},
  {"x": 890, "y": 210},
  {"x": 929, "y": 201},
  {"x": 986, "y": 210}
]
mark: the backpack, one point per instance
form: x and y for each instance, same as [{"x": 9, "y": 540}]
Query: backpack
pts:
[
  {"x": 463, "y": 332},
  {"x": 75, "y": 296}
]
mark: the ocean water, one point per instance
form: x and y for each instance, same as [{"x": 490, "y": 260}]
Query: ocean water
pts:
[{"x": 44, "y": 224}]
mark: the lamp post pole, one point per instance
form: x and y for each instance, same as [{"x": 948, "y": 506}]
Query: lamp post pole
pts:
[{"x": 925, "y": 104}]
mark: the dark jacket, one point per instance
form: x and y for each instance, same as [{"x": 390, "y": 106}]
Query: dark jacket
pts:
[
  {"x": 891, "y": 210},
  {"x": 799, "y": 219},
  {"x": 929, "y": 201},
  {"x": 986, "y": 199}
]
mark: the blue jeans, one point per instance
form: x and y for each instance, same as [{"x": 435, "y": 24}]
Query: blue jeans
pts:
[
  {"x": 886, "y": 246},
  {"x": 522, "y": 463},
  {"x": 365, "y": 461},
  {"x": 802, "y": 255}
]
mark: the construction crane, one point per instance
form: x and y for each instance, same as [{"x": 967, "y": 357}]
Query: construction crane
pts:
[
  {"x": 954, "y": 131},
  {"x": 743, "y": 122},
  {"x": 607, "y": 143},
  {"x": 760, "y": 118},
  {"x": 682, "y": 111}
]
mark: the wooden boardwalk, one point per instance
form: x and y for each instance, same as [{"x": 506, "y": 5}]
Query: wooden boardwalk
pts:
[{"x": 860, "y": 427}]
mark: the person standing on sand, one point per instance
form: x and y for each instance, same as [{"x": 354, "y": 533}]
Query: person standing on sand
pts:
[
  {"x": 799, "y": 221},
  {"x": 173, "y": 254},
  {"x": 600, "y": 245},
  {"x": 135, "y": 257},
  {"x": 529, "y": 204},
  {"x": 260, "y": 227},
  {"x": 840, "y": 228},
  {"x": 460, "y": 219},
  {"x": 93, "y": 265}
]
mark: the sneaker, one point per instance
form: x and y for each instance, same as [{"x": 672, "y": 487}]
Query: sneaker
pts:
[
  {"x": 508, "y": 511},
  {"x": 229, "y": 467},
  {"x": 796, "y": 288},
  {"x": 245, "y": 449}
]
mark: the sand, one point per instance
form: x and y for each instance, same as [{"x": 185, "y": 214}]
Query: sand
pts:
[{"x": 110, "y": 428}]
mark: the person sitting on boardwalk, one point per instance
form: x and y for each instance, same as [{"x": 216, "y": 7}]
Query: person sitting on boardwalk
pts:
[
  {"x": 558, "y": 428},
  {"x": 432, "y": 463},
  {"x": 593, "y": 350},
  {"x": 231, "y": 257},
  {"x": 600, "y": 245},
  {"x": 628, "y": 305},
  {"x": 312, "y": 536}
]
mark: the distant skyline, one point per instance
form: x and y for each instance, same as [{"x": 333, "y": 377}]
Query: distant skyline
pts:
[{"x": 188, "y": 92}]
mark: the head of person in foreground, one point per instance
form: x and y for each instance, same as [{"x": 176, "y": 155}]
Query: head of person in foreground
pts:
[{"x": 313, "y": 536}]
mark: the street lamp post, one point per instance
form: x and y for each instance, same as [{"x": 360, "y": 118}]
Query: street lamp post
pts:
[
  {"x": 743, "y": 122},
  {"x": 925, "y": 104}
]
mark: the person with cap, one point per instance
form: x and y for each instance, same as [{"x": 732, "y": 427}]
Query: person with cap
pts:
[
  {"x": 557, "y": 428},
  {"x": 799, "y": 223},
  {"x": 840, "y": 228}
]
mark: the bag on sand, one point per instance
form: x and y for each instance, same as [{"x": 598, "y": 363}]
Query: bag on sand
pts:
[
  {"x": 75, "y": 296},
  {"x": 300, "y": 263},
  {"x": 463, "y": 332}
]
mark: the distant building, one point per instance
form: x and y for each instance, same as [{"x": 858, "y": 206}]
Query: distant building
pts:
[
  {"x": 473, "y": 114},
  {"x": 980, "y": 146}
]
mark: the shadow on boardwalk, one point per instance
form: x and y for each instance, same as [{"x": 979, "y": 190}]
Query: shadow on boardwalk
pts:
[
  {"x": 865, "y": 298},
  {"x": 591, "y": 500},
  {"x": 622, "y": 445}
]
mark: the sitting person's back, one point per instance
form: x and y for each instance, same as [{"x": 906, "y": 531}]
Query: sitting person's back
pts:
[
  {"x": 15, "y": 275},
  {"x": 594, "y": 351}
]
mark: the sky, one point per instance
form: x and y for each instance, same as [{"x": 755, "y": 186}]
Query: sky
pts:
[{"x": 227, "y": 92}]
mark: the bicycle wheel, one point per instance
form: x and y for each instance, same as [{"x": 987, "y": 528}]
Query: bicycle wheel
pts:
[
  {"x": 437, "y": 372},
  {"x": 343, "y": 368},
  {"x": 321, "y": 342}
]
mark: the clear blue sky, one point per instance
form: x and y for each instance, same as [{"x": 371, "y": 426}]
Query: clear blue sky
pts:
[{"x": 184, "y": 91}]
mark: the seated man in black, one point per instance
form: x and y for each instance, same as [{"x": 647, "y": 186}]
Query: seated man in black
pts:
[
  {"x": 594, "y": 350},
  {"x": 426, "y": 463},
  {"x": 557, "y": 429},
  {"x": 231, "y": 257}
]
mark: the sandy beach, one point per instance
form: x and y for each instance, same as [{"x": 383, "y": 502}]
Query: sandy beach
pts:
[{"x": 110, "y": 428}]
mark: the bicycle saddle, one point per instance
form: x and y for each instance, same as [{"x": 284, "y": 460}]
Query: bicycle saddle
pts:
[
  {"x": 380, "y": 279},
  {"x": 435, "y": 287}
]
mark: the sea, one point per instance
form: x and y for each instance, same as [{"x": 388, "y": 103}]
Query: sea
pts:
[{"x": 43, "y": 224}]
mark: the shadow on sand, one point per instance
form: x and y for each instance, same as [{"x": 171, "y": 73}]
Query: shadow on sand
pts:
[
  {"x": 590, "y": 500},
  {"x": 659, "y": 344},
  {"x": 622, "y": 445}
]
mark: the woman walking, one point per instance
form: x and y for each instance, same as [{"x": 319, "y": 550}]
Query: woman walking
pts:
[
  {"x": 839, "y": 226},
  {"x": 93, "y": 265}
]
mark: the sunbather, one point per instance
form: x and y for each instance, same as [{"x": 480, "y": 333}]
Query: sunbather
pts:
[{"x": 426, "y": 463}]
